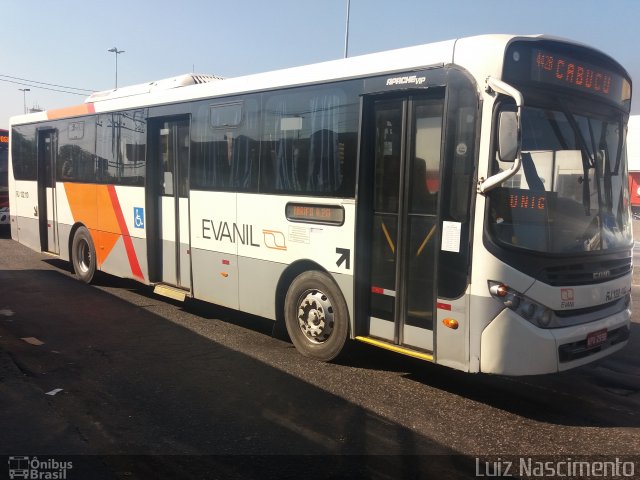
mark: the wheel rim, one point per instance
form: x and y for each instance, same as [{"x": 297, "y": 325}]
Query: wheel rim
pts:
[
  {"x": 84, "y": 256},
  {"x": 315, "y": 316}
]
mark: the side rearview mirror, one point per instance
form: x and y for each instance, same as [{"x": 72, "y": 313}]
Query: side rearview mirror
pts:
[{"x": 508, "y": 136}]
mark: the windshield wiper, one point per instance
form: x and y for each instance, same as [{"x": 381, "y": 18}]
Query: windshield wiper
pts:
[
  {"x": 621, "y": 141},
  {"x": 587, "y": 161}
]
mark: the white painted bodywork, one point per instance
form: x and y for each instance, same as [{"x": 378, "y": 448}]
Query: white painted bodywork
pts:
[{"x": 226, "y": 268}]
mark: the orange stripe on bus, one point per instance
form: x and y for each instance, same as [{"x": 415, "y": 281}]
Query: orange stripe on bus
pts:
[
  {"x": 107, "y": 223},
  {"x": 82, "y": 201},
  {"x": 98, "y": 208},
  {"x": 107, "y": 217},
  {"x": 75, "y": 111},
  {"x": 106, "y": 242},
  {"x": 91, "y": 205}
]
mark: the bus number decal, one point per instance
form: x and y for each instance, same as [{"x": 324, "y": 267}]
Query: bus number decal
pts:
[{"x": 615, "y": 294}]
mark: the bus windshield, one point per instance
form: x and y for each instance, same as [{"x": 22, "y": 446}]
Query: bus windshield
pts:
[{"x": 571, "y": 193}]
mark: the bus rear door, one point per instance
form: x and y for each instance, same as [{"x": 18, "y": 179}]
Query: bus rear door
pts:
[
  {"x": 168, "y": 202},
  {"x": 47, "y": 213}
]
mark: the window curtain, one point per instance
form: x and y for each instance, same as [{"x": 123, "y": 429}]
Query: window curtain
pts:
[
  {"x": 324, "y": 174},
  {"x": 287, "y": 151}
]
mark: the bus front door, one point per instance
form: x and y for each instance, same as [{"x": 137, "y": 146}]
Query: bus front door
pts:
[
  {"x": 47, "y": 213},
  {"x": 402, "y": 171},
  {"x": 170, "y": 150}
]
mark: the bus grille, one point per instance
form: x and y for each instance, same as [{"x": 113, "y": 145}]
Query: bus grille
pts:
[{"x": 587, "y": 273}]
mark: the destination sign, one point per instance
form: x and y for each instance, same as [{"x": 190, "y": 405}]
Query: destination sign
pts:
[
  {"x": 554, "y": 64},
  {"x": 527, "y": 201},
  {"x": 568, "y": 72},
  {"x": 314, "y": 213},
  {"x": 520, "y": 206}
]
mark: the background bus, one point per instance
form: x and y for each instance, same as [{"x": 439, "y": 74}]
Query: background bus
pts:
[
  {"x": 633, "y": 155},
  {"x": 464, "y": 202},
  {"x": 4, "y": 179}
]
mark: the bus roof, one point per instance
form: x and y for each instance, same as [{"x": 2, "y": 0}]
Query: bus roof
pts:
[{"x": 462, "y": 51}]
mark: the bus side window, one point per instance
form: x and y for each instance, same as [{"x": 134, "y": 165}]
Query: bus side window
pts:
[
  {"x": 23, "y": 152},
  {"x": 76, "y": 150},
  {"x": 224, "y": 145},
  {"x": 306, "y": 142},
  {"x": 121, "y": 143}
]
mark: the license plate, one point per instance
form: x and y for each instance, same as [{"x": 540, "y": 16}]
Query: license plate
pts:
[{"x": 596, "y": 338}]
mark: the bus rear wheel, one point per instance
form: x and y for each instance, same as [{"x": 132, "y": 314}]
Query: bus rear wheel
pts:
[
  {"x": 83, "y": 255},
  {"x": 316, "y": 316}
]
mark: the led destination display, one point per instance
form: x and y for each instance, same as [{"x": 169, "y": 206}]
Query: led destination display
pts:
[
  {"x": 535, "y": 64},
  {"x": 568, "y": 72}
]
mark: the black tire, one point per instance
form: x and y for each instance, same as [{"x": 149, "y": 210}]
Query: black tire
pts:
[
  {"x": 316, "y": 316},
  {"x": 83, "y": 255}
]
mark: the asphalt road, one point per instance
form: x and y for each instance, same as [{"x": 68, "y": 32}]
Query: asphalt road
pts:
[{"x": 155, "y": 389}]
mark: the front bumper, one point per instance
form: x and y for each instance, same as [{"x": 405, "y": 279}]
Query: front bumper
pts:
[{"x": 511, "y": 345}]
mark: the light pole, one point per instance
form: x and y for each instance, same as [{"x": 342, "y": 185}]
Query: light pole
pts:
[
  {"x": 24, "y": 98},
  {"x": 346, "y": 31},
  {"x": 117, "y": 52}
]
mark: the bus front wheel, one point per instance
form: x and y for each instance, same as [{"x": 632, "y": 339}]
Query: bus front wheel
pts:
[
  {"x": 83, "y": 255},
  {"x": 316, "y": 316}
]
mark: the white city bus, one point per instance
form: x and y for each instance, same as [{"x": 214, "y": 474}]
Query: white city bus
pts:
[{"x": 463, "y": 202}]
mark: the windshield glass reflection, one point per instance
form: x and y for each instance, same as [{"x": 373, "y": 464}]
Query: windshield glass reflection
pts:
[{"x": 571, "y": 193}]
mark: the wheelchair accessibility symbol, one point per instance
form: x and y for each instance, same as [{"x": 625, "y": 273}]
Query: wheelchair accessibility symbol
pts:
[{"x": 138, "y": 217}]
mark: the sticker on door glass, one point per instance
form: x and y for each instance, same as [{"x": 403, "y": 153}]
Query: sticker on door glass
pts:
[{"x": 451, "y": 236}]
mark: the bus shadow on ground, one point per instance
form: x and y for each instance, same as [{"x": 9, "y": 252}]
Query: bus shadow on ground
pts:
[
  {"x": 197, "y": 307},
  {"x": 574, "y": 398},
  {"x": 605, "y": 393},
  {"x": 135, "y": 383}
]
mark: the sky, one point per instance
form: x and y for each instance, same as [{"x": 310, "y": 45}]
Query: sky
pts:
[{"x": 65, "y": 43}]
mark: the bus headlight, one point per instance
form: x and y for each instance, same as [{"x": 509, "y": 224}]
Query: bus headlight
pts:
[{"x": 521, "y": 304}]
